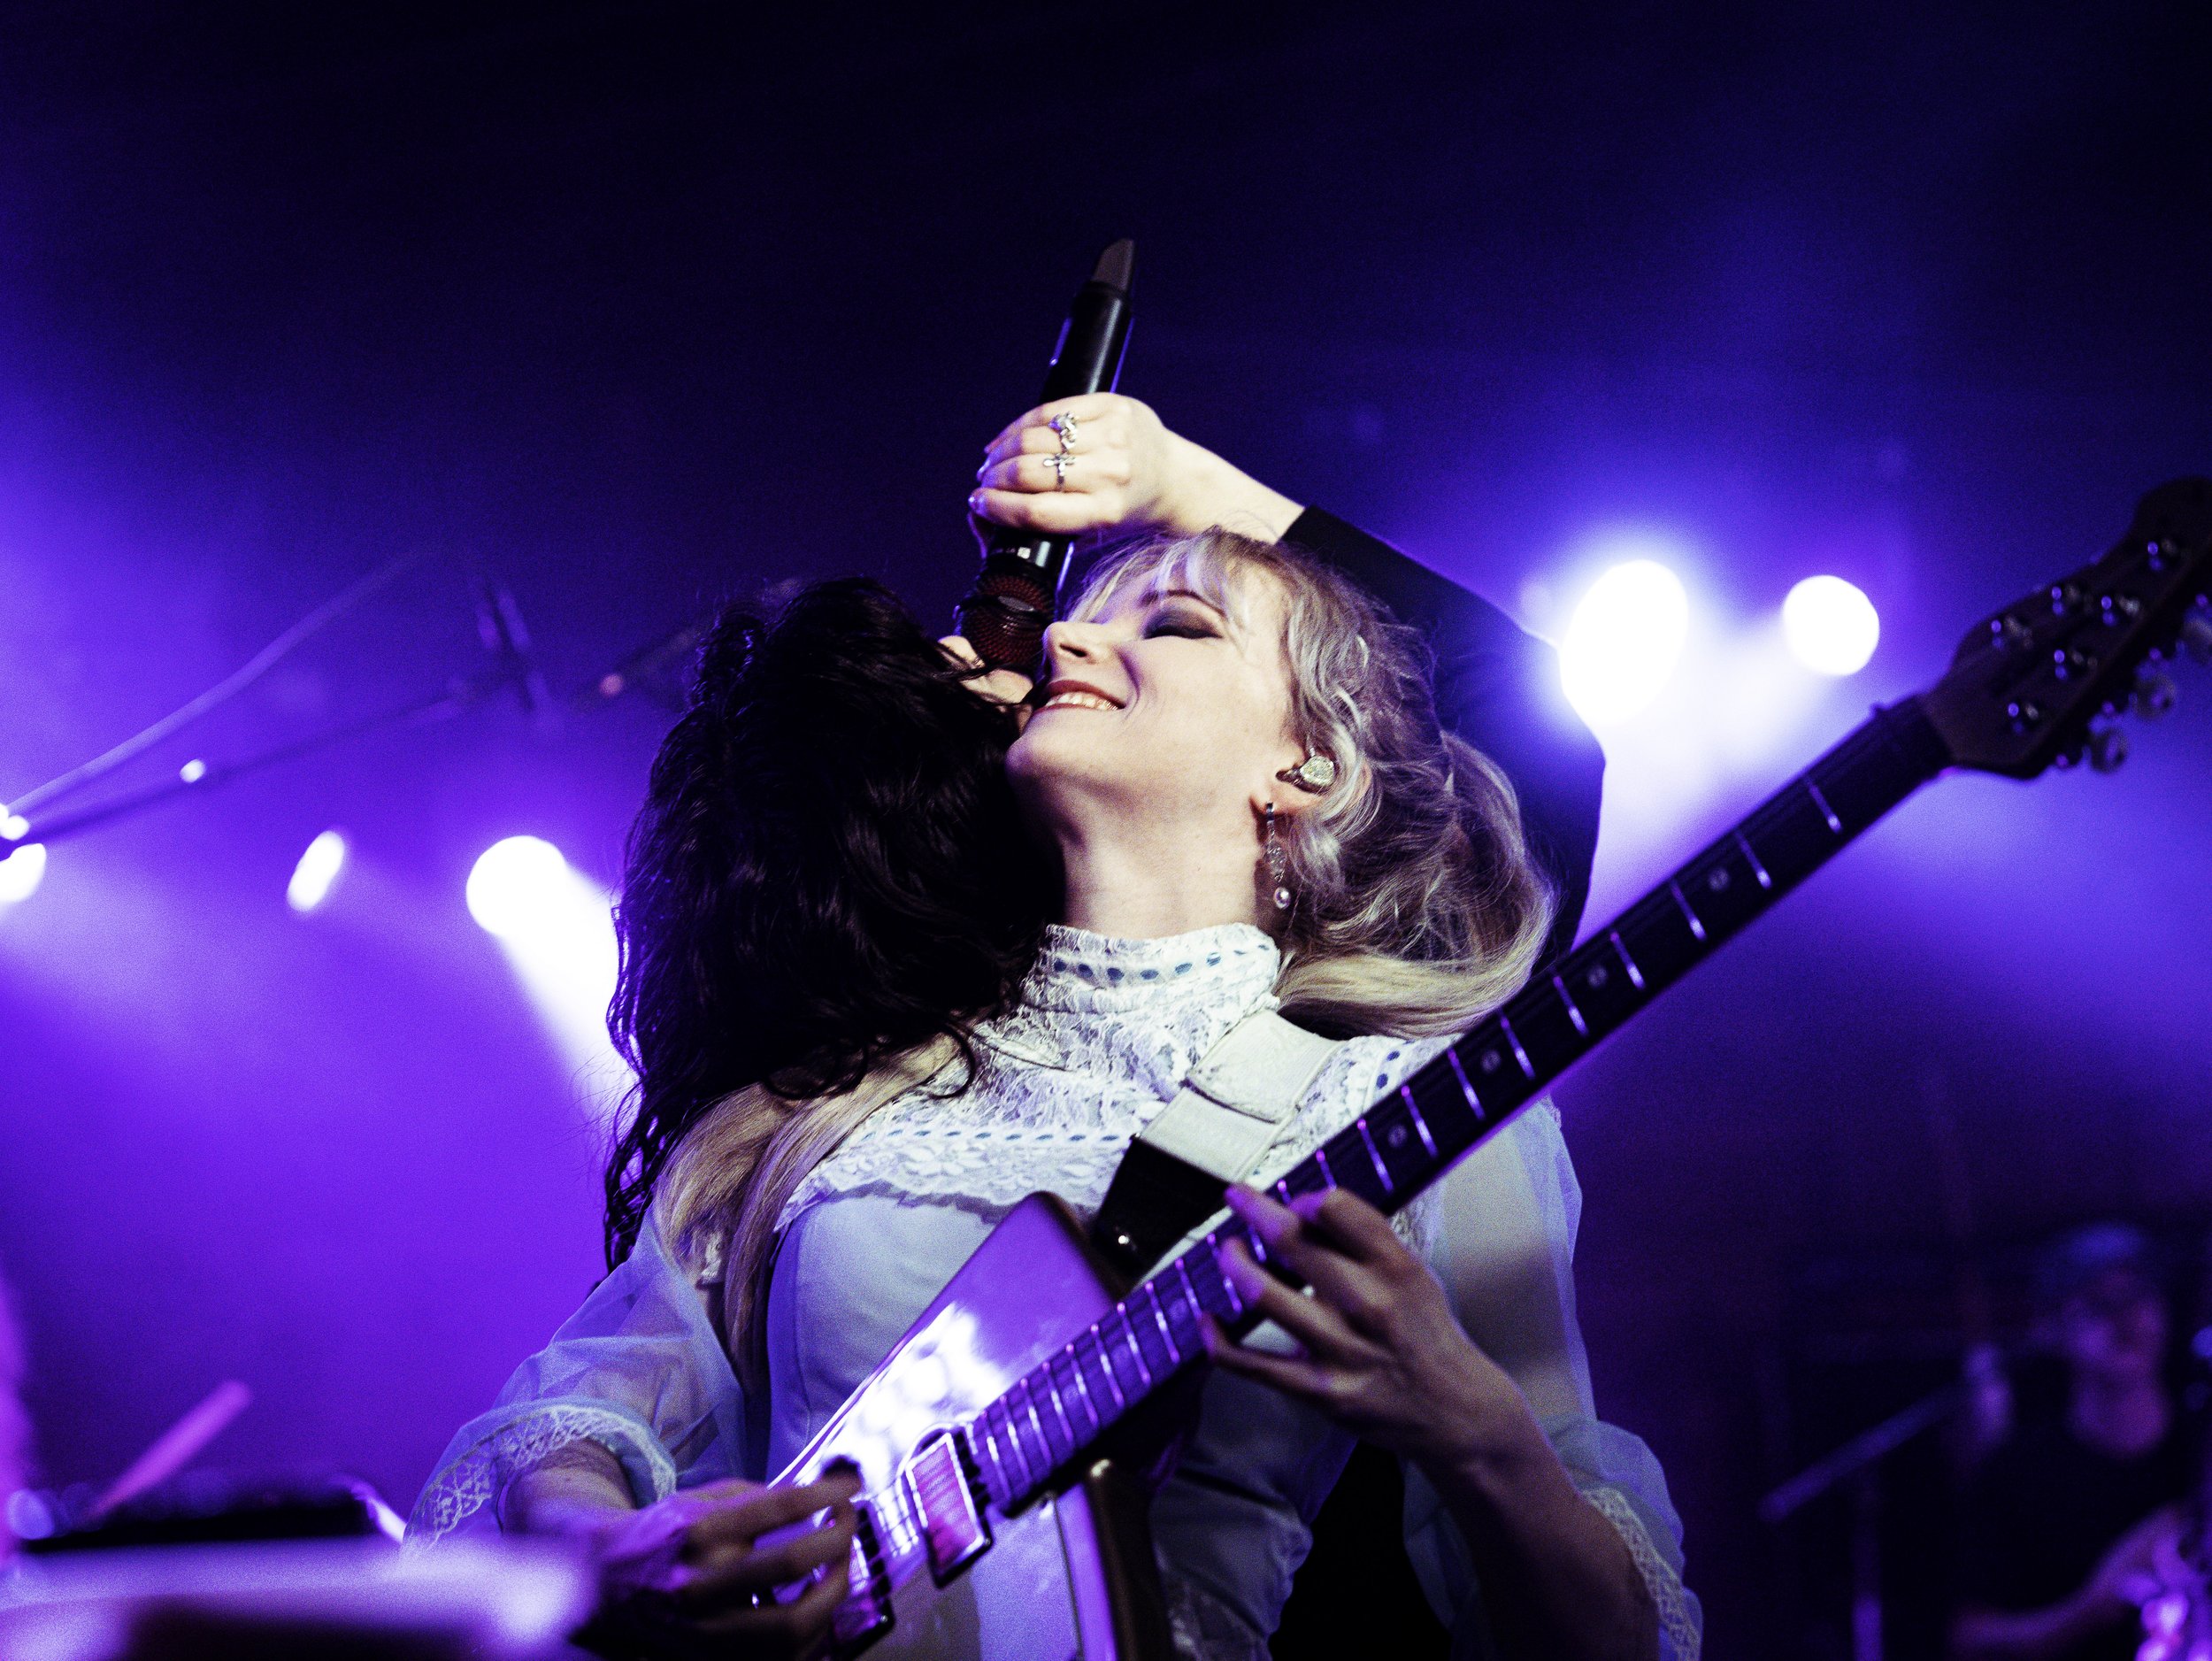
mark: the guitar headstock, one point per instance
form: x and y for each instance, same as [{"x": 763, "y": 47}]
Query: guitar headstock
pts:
[{"x": 2027, "y": 684}]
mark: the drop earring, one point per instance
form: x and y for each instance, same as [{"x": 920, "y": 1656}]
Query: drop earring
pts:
[{"x": 1273, "y": 848}]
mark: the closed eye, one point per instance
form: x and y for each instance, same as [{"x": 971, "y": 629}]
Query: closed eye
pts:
[{"x": 1187, "y": 625}]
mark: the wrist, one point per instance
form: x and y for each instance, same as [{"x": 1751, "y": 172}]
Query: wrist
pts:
[
  {"x": 1209, "y": 491},
  {"x": 1497, "y": 1459}
]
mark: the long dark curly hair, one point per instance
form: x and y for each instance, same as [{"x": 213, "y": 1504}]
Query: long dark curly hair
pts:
[{"x": 829, "y": 871}]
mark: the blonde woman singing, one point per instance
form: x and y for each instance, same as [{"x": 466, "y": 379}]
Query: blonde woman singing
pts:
[{"x": 904, "y": 942}]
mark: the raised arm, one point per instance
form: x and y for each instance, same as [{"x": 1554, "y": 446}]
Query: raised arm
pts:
[{"x": 1497, "y": 686}]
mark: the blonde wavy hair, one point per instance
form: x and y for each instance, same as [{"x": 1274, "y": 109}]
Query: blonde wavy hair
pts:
[{"x": 1417, "y": 908}]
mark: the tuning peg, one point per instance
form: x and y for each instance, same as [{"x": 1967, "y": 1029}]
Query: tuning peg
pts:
[
  {"x": 2108, "y": 749},
  {"x": 2196, "y": 637},
  {"x": 2155, "y": 693}
]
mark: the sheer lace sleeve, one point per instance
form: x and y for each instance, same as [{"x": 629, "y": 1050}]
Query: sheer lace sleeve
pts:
[
  {"x": 1500, "y": 1236},
  {"x": 637, "y": 1369}
]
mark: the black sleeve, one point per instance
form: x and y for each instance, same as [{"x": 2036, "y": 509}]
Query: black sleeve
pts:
[{"x": 1497, "y": 687}]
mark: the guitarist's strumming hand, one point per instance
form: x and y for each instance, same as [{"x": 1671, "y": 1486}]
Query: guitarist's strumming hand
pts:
[
  {"x": 1379, "y": 1351},
  {"x": 687, "y": 1575}
]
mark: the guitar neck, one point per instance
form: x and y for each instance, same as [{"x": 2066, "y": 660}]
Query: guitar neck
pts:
[{"x": 1410, "y": 1137}]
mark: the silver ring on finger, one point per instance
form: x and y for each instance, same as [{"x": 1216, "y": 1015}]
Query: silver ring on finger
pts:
[
  {"x": 1060, "y": 464},
  {"x": 1064, "y": 424}
]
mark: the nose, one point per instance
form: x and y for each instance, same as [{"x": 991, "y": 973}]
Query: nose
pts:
[{"x": 1069, "y": 642}]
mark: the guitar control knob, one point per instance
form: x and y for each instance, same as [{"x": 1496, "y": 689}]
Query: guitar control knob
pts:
[{"x": 2108, "y": 749}]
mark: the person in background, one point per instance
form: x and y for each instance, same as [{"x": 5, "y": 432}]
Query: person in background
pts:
[{"x": 2065, "y": 1524}]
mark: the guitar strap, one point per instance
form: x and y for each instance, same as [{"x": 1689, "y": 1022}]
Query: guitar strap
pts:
[{"x": 1235, "y": 1100}]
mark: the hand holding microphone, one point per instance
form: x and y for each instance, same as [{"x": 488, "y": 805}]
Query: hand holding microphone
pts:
[{"x": 1106, "y": 462}]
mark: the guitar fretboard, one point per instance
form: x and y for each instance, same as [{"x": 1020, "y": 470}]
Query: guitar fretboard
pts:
[{"x": 1412, "y": 1135}]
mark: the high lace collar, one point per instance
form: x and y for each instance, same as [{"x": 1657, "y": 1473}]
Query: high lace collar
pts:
[{"x": 1082, "y": 972}]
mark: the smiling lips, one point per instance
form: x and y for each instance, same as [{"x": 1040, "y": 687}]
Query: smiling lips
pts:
[{"x": 1076, "y": 695}]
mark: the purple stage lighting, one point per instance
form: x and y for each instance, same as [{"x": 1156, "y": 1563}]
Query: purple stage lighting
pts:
[
  {"x": 1831, "y": 626},
  {"x": 1623, "y": 640},
  {"x": 556, "y": 928},
  {"x": 20, "y": 874},
  {"x": 317, "y": 873}
]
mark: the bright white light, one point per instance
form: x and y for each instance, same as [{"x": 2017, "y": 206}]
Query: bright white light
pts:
[
  {"x": 193, "y": 770},
  {"x": 12, "y": 826},
  {"x": 1830, "y": 625},
  {"x": 517, "y": 885},
  {"x": 316, "y": 871},
  {"x": 1623, "y": 640},
  {"x": 20, "y": 872},
  {"x": 556, "y": 928}
]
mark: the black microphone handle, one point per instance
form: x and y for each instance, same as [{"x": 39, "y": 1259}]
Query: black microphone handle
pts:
[{"x": 1017, "y": 593}]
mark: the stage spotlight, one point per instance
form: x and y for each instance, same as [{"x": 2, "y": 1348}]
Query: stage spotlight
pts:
[
  {"x": 1830, "y": 625},
  {"x": 1623, "y": 640},
  {"x": 317, "y": 873},
  {"x": 518, "y": 887},
  {"x": 556, "y": 928},
  {"x": 20, "y": 872}
]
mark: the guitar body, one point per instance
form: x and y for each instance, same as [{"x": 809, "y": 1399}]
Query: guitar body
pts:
[
  {"x": 1070, "y": 1573},
  {"x": 1069, "y": 1577}
]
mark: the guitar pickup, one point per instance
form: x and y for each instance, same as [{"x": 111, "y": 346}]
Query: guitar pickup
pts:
[{"x": 942, "y": 1486}]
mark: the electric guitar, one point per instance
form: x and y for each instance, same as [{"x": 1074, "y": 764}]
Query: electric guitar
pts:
[{"x": 995, "y": 1519}]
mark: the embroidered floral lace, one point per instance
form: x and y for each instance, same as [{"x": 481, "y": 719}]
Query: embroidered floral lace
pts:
[{"x": 1102, "y": 1035}]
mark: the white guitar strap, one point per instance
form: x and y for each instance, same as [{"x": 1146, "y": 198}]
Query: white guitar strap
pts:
[
  {"x": 1230, "y": 1108},
  {"x": 1239, "y": 1095}
]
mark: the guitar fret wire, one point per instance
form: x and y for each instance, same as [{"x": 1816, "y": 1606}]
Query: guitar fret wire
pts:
[
  {"x": 1321, "y": 1158},
  {"x": 1835, "y": 825},
  {"x": 1083, "y": 1390},
  {"x": 1282, "y": 1190},
  {"x": 1182, "y": 1273},
  {"x": 1513, "y": 1039},
  {"x": 1216, "y": 1245},
  {"x": 1466, "y": 1089},
  {"x": 1635, "y": 975},
  {"x": 1573, "y": 1014},
  {"x": 1121, "y": 1402},
  {"x": 1381, "y": 1175},
  {"x": 1420, "y": 1125},
  {"x": 1029, "y": 1398},
  {"x": 1020, "y": 1453},
  {"x": 1136, "y": 1349},
  {"x": 1052, "y": 1389},
  {"x": 1159, "y": 1317},
  {"x": 990, "y": 1446},
  {"x": 990, "y": 1443},
  {"x": 1696, "y": 926},
  {"x": 1758, "y": 869}
]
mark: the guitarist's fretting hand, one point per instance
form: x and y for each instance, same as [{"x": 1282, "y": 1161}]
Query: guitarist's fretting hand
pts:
[{"x": 1380, "y": 1352}]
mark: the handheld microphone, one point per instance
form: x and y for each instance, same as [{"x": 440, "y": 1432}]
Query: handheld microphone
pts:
[{"x": 1018, "y": 591}]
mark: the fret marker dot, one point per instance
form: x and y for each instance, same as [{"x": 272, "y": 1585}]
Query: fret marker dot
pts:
[
  {"x": 1596, "y": 977},
  {"x": 1491, "y": 1061},
  {"x": 1397, "y": 1136},
  {"x": 1718, "y": 878}
]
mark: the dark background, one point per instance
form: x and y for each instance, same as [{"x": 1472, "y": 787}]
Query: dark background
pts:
[{"x": 640, "y": 306}]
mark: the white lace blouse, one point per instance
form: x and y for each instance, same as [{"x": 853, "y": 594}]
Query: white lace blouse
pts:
[{"x": 1103, "y": 1033}]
